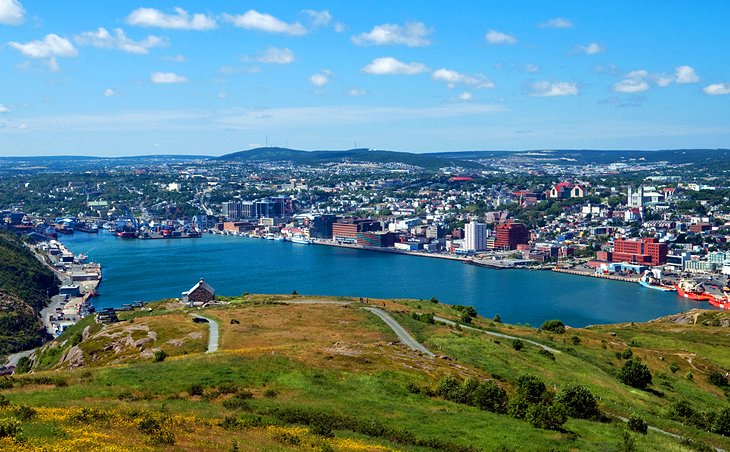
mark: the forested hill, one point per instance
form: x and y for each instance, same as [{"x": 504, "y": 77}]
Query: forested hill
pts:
[{"x": 25, "y": 287}]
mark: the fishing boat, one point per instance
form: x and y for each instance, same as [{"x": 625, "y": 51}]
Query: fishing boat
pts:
[
  {"x": 650, "y": 281},
  {"x": 720, "y": 301},
  {"x": 692, "y": 290}
]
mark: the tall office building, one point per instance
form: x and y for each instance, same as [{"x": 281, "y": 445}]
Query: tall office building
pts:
[{"x": 475, "y": 236}]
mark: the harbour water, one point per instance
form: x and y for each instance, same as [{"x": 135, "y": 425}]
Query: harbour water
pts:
[{"x": 149, "y": 270}]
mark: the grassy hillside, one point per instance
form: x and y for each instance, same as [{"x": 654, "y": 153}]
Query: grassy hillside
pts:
[
  {"x": 298, "y": 373},
  {"x": 25, "y": 287}
]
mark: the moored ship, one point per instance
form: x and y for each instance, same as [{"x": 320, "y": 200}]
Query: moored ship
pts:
[
  {"x": 720, "y": 301},
  {"x": 300, "y": 239},
  {"x": 650, "y": 281},
  {"x": 692, "y": 290}
]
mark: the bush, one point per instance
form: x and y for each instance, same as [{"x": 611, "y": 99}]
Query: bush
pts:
[
  {"x": 434, "y": 300},
  {"x": 4, "y": 401},
  {"x": 449, "y": 388},
  {"x": 546, "y": 354},
  {"x": 24, "y": 412},
  {"x": 196, "y": 390},
  {"x": 497, "y": 319},
  {"x": 718, "y": 379},
  {"x": 579, "y": 402},
  {"x": 674, "y": 367},
  {"x": 721, "y": 422},
  {"x": 553, "y": 326},
  {"x": 549, "y": 417},
  {"x": 518, "y": 344},
  {"x": 23, "y": 366},
  {"x": 159, "y": 356},
  {"x": 490, "y": 397},
  {"x": 531, "y": 388},
  {"x": 575, "y": 339},
  {"x": 9, "y": 428},
  {"x": 627, "y": 354},
  {"x": 638, "y": 424},
  {"x": 635, "y": 374},
  {"x": 271, "y": 393},
  {"x": 228, "y": 388},
  {"x": 466, "y": 318}
]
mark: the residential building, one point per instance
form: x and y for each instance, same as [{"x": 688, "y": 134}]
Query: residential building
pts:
[{"x": 475, "y": 236}]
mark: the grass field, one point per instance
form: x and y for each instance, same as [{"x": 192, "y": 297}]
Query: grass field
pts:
[{"x": 292, "y": 376}]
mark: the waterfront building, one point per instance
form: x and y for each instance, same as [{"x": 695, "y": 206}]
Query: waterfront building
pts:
[
  {"x": 321, "y": 226},
  {"x": 475, "y": 236},
  {"x": 510, "y": 234},
  {"x": 646, "y": 251},
  {"x": 199, "y": 294}
]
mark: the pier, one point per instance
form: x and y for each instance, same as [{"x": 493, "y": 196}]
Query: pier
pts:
[{"x": 597, "y": 275}]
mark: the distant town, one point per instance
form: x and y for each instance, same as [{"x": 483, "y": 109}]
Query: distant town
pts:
[{"x": 658, "y": 217}]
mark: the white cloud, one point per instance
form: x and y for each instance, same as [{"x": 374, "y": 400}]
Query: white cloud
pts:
[
  {"x": 321, "y": 78},
  {"x": 465, "y": 96},
  {"x": 109, "y": 92},
  {"x": 558, "y": 22},
  {"x": 276, "y": 56},
  {"x": 4, "y": 109},
  {"x": 685, "y": 74},
  {"x": 717, "y": 89},
  {"x": 591, "y": 49},
  {"x": 389, "y": 65},
  {"x": 532, "y": 68},
  {"x": 412, "y": 34},
  {"x": 119, "y": 40},
  {"x": 180, "y": 20},
  {"x": 340, "y": 27},
  {"x": 52, "y": 45},
  {"x": 550, "y": 89},
  {"x": 178, "y": 58},
  {"x": 356, "y": 92},
  {"x": 452, "y": 78},
  {"x": 633, "y": 82},
  {"x": 254, "y": 20},
  {"x": 497, "y": 37},
  {"x": 11, "y": 12},
  {"x": 167, "y": 77},
  {"x": 319, "y": 18},
  {"x": 53, "y": 65}
]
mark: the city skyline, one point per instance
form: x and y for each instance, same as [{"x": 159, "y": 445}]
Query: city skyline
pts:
[{"x": 141, "y": 78}]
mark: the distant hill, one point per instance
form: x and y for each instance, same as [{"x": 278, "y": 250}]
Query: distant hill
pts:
[
  {"x": 298, "y": 157},
  {"x": 25, "y": 286}
]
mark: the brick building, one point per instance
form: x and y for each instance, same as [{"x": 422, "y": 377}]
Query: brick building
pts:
[
  {"x": 509, "y": 235},
  {"x": 647, "y": 251},
  {"x": 199, "y": 294}
]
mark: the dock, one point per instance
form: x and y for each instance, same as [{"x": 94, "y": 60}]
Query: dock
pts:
[{"x": 597, "y": 275}]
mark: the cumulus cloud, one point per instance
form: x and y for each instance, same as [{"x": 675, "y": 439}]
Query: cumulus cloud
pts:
[
  {"x": 321, "y": 78},
  {"x": 685, "y": 74},
  {"x": 11, "y": 12},
  {"x": 318, "y": 18},
  {"x": 274, "y": 55},
  {"x": 452, "y": 78},
  {"x": 717, "y": 89},
  {"x": 389, "y": 65},
  {"x": 109, "y": 92},
  {"x": 558, "y": 22},
  {"x": 633, "y": 82},
  {"x": 356, "y": 92},
  {"x": 167, "y": 77},
  {"x": 551, "y": 89},
  {"x": 254, "y": 20},
  {"x": 52, "y": 45},
  {"x": 591, "y": 49},
  {"x": 4, "y": 109},
  {"x": 179, "y": 20},
  {"x": 412, "y": 34},
  {"x": 119, "y": 40},
  {"x": 497, "y": 37}
]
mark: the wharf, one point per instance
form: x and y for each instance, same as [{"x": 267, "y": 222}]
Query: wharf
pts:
[
  {"x": 597, "y": 275},
  {"x": 390, "y": 250}
]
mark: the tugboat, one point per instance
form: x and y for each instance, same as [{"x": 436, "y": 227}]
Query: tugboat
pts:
[
  {"x": 692, "y": 290},
  {"x": 650, "y": 281}
]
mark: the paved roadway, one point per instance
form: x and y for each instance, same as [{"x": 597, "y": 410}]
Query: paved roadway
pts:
[{"x": 401, "y": 332}]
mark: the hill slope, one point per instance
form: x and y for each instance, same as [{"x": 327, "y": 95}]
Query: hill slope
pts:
[
  {"x": 25, "y": 287},
  {"x": 297, "y": 373}
]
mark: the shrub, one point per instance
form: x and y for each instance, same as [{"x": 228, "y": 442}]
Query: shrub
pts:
[
  {"x": 434, "y": 300},
  {"x": 628, "y": 444},
  {"x": 638, "y": 424},
  {"x": 159, "y": 356},
  {"x": 9, "y": 428},
  {"x": 6, "y": 383},
  {"x": 75, "y": 339},
  {"x": 690, "y": 376},
  {"x": 718, "y": 379},
  {"x": 674, "y": 367},
  {"x": 531, "y": 388},
  {"x": 497, "y": 319},
  {"x": 228, "y": 388},
  {"x": 546, "y": 354},
  {"x": 553, "y": 326},
  {"x": 579, "y": 402},
  {"x": 449, "y": 388},
  {"x": 575, "y": 339},
  {"x": 23, "y": 366},
  {"x": 490, "y": 397},
  {"x": 635, "y": 374},
  {"x": 239, "y": 401},
  {"x": 627, "y": 354},
  {"x": 549, "y": 417},
  {"x": 721, "y": 422},
  {"x": 466, "y": 318},
  {"x": 24, "y": 412},
  {"x": 4, "y": 401},
  {"x": 271, "y": 393},
  {"x": 518, "y": 344},
  {"x": 196, "y": 389}
]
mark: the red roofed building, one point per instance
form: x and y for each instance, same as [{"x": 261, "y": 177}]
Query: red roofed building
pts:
[{"x": 564, "y": 190}]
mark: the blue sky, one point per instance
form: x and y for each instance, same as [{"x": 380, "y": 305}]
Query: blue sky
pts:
[{"x": 185, "y": 77}]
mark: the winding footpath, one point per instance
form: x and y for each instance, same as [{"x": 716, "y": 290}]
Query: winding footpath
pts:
[
  {"x": 401, "y": 332},
  {"x": 492, "y": 333},
  {"x": 212, "y": 333}
]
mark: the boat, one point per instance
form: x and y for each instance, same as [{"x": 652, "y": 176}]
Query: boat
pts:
[
  {"x": 126, "y": 232},
  {"x": 300, "y": 239},
  {"x": 650, "y": 281},
  {"x": 269, "y": 236},
  {"x": 279, "y": 238},
  {"x": 692, "y": 290},
  {"x": 720, "y": 301}
]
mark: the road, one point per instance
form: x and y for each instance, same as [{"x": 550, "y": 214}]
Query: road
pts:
[
  {"x": 401, "y": 332},
  {"x": 15, "y": 357},
  {"x": 212, "y": 333},
  {"x": 492, "y": 333}
]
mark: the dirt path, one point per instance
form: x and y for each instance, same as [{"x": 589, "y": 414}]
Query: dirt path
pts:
[
  {"x": 401, "y": 332},
  {"x": 492, "y": 333},
  {"x": 212, "y": 333}
]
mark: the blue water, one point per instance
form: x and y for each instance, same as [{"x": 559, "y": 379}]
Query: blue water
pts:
[{"x": 155, "y": 269}]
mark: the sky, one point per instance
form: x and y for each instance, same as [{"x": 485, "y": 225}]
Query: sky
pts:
[{"x": 120, "y": 77}]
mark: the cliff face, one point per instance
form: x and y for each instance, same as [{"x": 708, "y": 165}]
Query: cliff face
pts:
[{"x": 25, "y": 287}]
